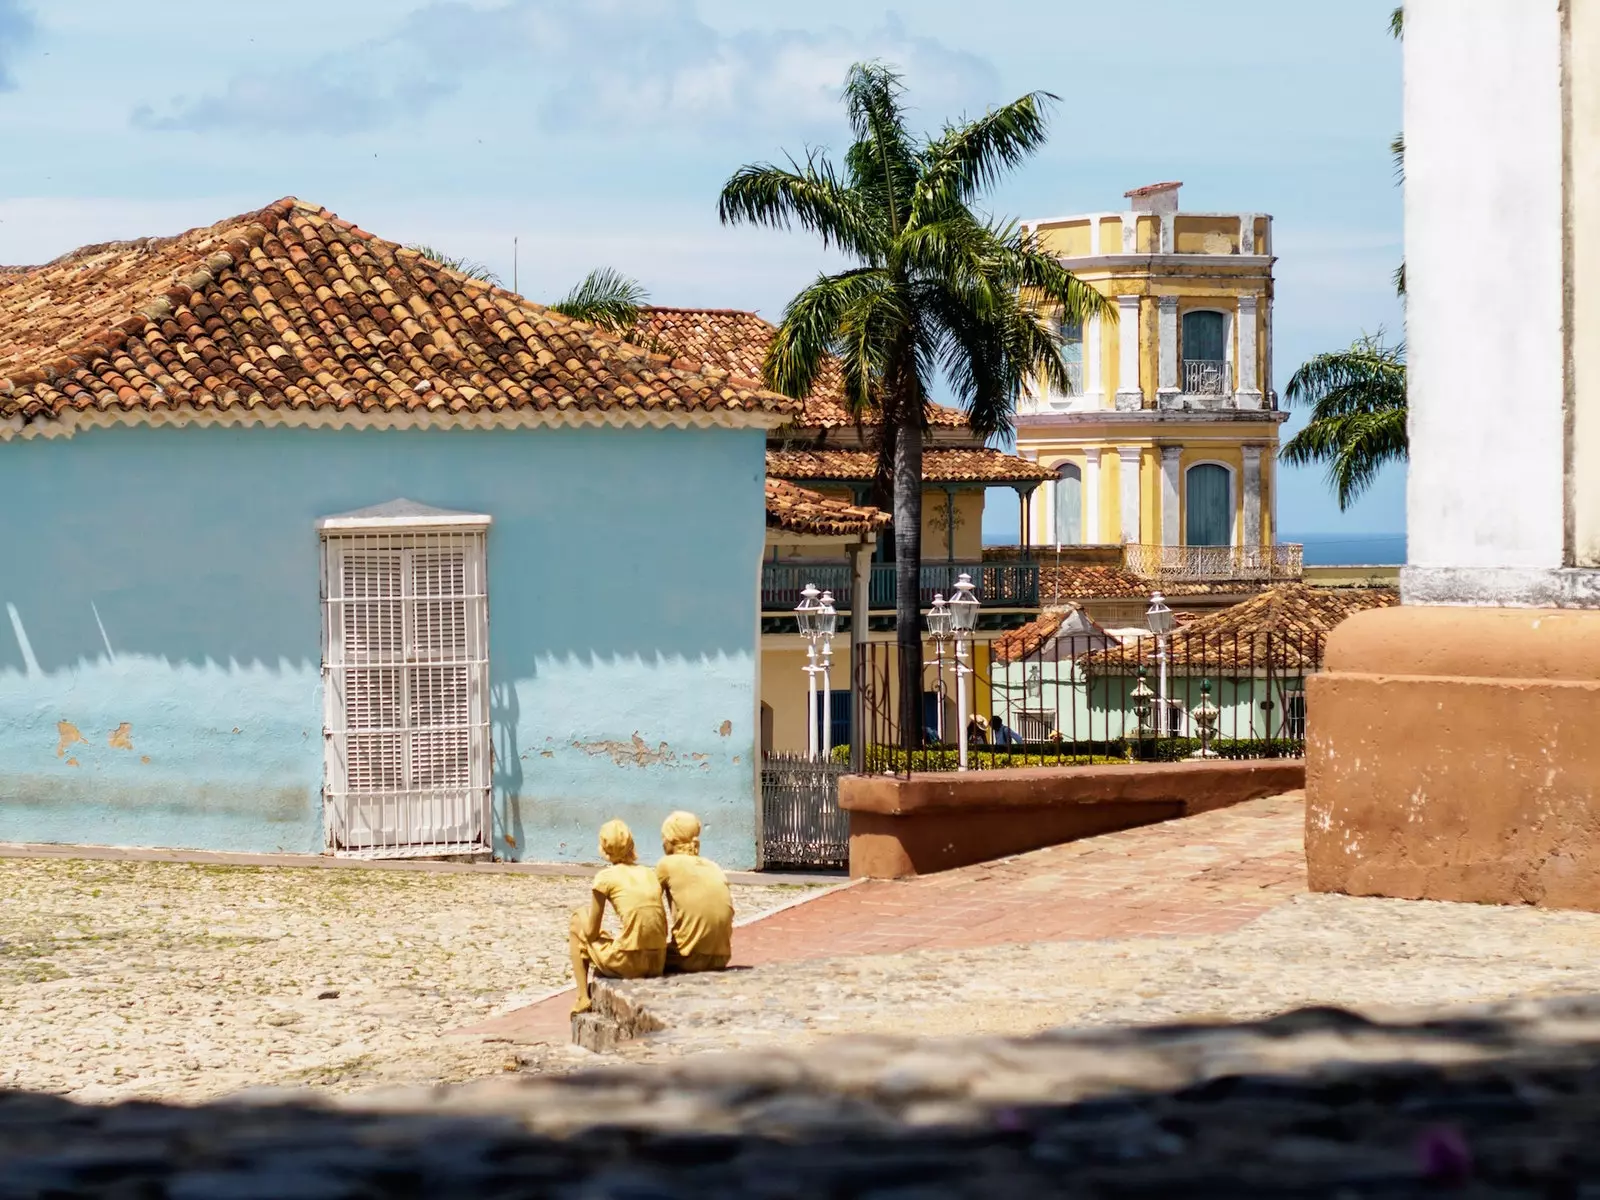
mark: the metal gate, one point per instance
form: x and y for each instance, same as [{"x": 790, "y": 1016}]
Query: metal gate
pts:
[
  {"x": 405, "y": 665},
  {"x": 801, "y": 822}
]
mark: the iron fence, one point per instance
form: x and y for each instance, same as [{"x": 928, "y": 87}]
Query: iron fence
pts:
[
  {"x": 801, "y": 822},
  {"x": 1084, "y": 698}
]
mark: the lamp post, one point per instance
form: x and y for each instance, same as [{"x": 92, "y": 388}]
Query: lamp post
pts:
[
  {"x": 940, "y": 620},
  {"x": 964, "y": 622},
  {"x": 1141, "y": 704},
  {"x": 808, "y": 616},
  {"x": 1160, "y": 620},
  {"x": 827, "y": 624},
  {"x": 1205, "y": 716}
]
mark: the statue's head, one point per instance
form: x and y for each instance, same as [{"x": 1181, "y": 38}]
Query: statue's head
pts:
[
  {"x": 616, "y": 842},
  {"x": 680, "y": 834}
]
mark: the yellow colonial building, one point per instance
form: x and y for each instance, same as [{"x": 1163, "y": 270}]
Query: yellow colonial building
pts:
[{"x": 1167, "y": 442}]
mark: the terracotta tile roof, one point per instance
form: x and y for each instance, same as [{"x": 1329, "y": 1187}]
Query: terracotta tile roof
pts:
[
  {"x": 1288, "y": 624},
  {"x": 1150, "y": 188},
  {"x": 1062, "y": 583},
  {"x": 291, "y": 309},
  {"x": 799, "y": 510},
  {"x": 736, "y": 342},
  {"x": 940, "y": 465},
  {"x": 1071, "y": 630}
]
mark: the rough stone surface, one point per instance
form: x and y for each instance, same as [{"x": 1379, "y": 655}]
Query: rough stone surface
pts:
[
  {"x": 1453, "y": 758},
  {"x": 1375, "y": 956},
  {"x": 178, "y": 981},
  {"x": 1320, "y": 1102}
]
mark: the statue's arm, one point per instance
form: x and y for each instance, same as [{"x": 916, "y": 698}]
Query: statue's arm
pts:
[{"x": 597, "y": 913}]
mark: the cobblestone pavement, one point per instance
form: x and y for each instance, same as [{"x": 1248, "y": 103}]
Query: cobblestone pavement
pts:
[
  {"x": 1373, "y": 956},
  {"x": 186, "y": 981},
  {"x": 1204, "y": 874},
  {"x": 1317, "y": 1103}
]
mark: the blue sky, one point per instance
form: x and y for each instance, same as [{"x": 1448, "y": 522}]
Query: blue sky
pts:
[{"x": 599, "y": 133}]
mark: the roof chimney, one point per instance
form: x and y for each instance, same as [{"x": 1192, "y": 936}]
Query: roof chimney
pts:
[{"x": 1161, "y": 198}]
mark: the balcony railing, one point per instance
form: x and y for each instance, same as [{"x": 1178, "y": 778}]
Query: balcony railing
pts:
[
  {"x": 1206, "y": 377},
  {"x": 1216, "y": 563},
  {"x": 999, "y": 584}
]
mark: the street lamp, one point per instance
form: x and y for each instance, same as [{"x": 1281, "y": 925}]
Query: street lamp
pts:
[
  {"x": 808, "y": 616},
  {"x": 1141, "y": 703},
  {"x": 1160, "y": 620},
  {"x": 940, "y": 622},
  {"x": 827, "y": 624},
  {"x": 964, "y": 622},
  {"x": 1205, "y": 716}
]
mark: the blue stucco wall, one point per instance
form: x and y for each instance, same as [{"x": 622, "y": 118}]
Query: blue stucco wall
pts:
[{"x": 167, "y": 579}]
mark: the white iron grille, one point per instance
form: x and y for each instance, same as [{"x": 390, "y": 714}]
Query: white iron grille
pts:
[{"x": 405, "y": 669}]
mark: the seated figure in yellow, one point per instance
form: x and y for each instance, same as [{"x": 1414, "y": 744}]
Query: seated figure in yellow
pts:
[
  {"x": 697, "y": 890},
  {"x": 640, "y": 949}
]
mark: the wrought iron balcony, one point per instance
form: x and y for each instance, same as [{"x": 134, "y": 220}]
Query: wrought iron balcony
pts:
[
  {"x": 999, "y": 584},
  {"x": 1253, "y": 564},
  {"x": 1207, "y": 377}
]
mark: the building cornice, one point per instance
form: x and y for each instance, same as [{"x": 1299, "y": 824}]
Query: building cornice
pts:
[
  {"x": 1137, "y": 262},
  {"x": 71, "y": 422},
  {"x": 1149, "y": 416}
]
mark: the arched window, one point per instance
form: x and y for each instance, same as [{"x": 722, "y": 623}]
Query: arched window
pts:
[
  {"x": 1205, "y": 353},
  {"x": 1069, "y": 504},
  {"x": 1208, "y": 505}
]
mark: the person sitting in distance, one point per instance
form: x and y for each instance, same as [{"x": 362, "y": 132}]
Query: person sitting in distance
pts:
[
  {"x": 1002, "y": 735},
  {"x": 697, "y": 890},
  {"x": 977, "y": 731},
  {"x": 640, "y": 949}
]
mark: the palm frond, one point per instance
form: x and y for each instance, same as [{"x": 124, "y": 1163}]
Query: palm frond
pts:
[
  {"x": 811, "y": 331},
  {"x": 966, "y": 158},
  {"x": 1358, "y": 414},
  {"x": 881, "y": 161},
  {"x": 1397, "y": 22},
  {"x": 461, "y": 266},
  {"x": 606, "y": 298},
  {"x": 809, "y": 195}
]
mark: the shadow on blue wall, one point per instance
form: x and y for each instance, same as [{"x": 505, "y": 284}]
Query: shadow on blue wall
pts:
[{"x": 199, "y": 545}]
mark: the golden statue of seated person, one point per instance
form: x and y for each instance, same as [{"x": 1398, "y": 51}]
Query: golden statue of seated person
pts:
[
  {"x": 639, "y": 950},
  {"x": 697, "y": 892}
]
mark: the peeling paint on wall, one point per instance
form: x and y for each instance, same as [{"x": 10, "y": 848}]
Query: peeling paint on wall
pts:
[
  {"x": 727, "y": 729},
  {"x": 636, "y": 752},
  {"x": 121, "y": 738},
  {"x": 69, "y": 736}
]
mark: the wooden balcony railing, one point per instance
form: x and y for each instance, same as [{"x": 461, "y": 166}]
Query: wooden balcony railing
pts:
[
  {"x": 1251, "y": 564},
  {"x": 999, "y": 584}
]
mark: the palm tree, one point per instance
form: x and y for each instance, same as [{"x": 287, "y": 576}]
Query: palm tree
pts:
[
  {"x": 606, "y": 298},
  {"x": 462, "y": 266},
  {"x": 1358, "y": 414},
  {"x": 936, "y": 286}
]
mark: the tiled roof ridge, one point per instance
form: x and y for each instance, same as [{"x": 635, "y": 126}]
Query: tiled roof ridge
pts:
[
  {"x": 709, "y": 312},
  {"x": 185, "y": 268}
]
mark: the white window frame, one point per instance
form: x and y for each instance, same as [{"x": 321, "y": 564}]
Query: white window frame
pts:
[
  {"x": 1229, "y": 352},
  {"x": 1233, "y": 498},
  {"x": 433, "y": 677}
]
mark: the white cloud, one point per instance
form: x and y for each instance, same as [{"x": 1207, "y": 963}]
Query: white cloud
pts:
[
  {"x": 613, "y": 66},
  {"x": 16, "y": 27}
]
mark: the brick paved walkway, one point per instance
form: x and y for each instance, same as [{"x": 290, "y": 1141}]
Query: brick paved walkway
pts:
[{"x": 1200, "y": 875}]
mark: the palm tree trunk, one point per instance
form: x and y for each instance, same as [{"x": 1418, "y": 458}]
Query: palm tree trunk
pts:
[{"x": 908, "y": 566}]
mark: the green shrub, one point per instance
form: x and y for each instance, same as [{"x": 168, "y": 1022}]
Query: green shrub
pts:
[{"x": 1070, "y": 754}]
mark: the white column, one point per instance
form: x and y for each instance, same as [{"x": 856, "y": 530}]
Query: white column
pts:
[
  {"x": 1129, "y": 487},
  {"x": 1048, "y": 491},
  {"x": 1252, "y": 497},
  {"x": 1485, "y": 488},
  {"x": 1171, "y": 531},
  {"x": 1129, "y": 397},
  {"x": 1168, "y": 236},
  {"x": 1246, "y": 391},
  {"x": 1130, "y": 233},
  {"x": 1247, "y": 233},
  {"x": 1094, "y": 388},
  {"x": 1094, "y": 235},
  {"x": 1167, "y": 350},
  {"x": 1091, "y": 495}
]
